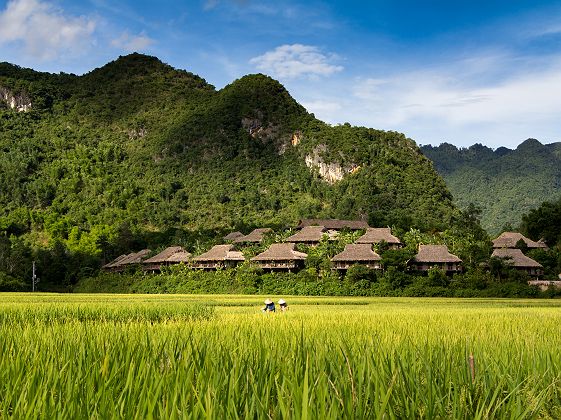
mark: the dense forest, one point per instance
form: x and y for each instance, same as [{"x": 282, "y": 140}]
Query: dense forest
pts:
[
  {"x": 504, "y": 183},
  {"x": 139, "y": 154}
]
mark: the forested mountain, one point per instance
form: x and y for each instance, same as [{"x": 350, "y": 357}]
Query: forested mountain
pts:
[
  {"x": 504, "y": 183},
  {"x": 137, "y": 153}
]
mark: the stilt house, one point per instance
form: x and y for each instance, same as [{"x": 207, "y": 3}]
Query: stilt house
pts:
[
  {"x": 510, "y": 239},
  {"x": 431, "y": 256},
  {"x": 169, "y": 256},
  {"x": 516, "y": 259},
  {"x": 309, "y": 235},
  {"x": 233, "y": 236},
  {"x": 124, "y": 261},
  {"x": 219, "y": 256},
  {"x": 356, "y": 254},
  {"x": 254, "y": 237},
  {"x": 280, "y": 257},
  {"x": 377, "y": 235}
]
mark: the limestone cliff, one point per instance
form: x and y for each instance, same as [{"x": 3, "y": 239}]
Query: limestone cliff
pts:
[
  {"x": 20, "y": 102},
  {"x": 330, "y": 172}
]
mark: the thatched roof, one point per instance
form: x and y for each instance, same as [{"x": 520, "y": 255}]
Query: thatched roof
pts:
[
  {"x": 256, "y": 235},
  {"x": 357, "y": 252},
  {"x": 334, "y": 224},
  {"x": 179, "y": 257},
  {"x": 509, "y": 240},
  {"x": 220, "y": 253},
  {"x": 280, "y": 252},
  {"x": 516, "y": 258},
  {"x": 377, "y": 235},
  {"x": 135, "y": 257},
  {"x": 170, "y": 254},
  {"x": 233, "y": 236},
  {"x": 115, "y": 262},
  {"x": 132, "y": 258},
  {"x": 435, "y": 254},
  {"x": 308, "y": 234}
]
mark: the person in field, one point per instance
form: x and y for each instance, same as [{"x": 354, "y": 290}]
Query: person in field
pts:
[
  {"x": 283, "y": 305},
  {"x": 269, "y": 306}
]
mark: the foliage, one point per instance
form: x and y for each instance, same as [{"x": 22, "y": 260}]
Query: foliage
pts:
[
  {"x": 504, "y": 183},
  {"x": 11, "y": 284},
  {"x": 544, "y": 222}
]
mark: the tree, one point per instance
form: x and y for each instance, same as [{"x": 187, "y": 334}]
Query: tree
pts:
[{"x": 358, "y": 272}]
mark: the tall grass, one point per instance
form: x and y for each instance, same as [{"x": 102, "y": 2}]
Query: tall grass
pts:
[{"x": 398, "y": 358}]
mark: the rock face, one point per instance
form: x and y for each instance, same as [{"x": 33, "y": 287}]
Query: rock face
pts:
[
  {"x": 266, "y": 134},
  {"x": 329, "y": 172},
  {"x": 137, "y": 133},
  {"x": 296, "y": 138},
  {"x": 20, "y": 102}
]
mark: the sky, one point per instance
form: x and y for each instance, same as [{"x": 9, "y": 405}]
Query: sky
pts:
[{"x": 461, "y": 72}]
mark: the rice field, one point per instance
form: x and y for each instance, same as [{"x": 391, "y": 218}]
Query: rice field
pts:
[{"x": 216, "y": 357}]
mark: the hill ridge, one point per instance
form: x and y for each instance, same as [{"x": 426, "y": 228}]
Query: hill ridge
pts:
[
  {"x": 505, "y": 183},
  {"x": 137, "y": 149}
]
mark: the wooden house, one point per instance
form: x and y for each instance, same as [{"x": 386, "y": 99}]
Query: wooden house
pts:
[
  {"x": 124, "y": 261},
  {"x": 510, "y": 239},
  {"x": 232, "y": 236},
  {"x": 112, "y": 264},
  {"x": 543, "y": 285},
  {"x": 219, "y": 256},
  {"x": 356, "y": 254},
  {"x": 169, "y": 256},
  {"x": 280, "y": 257},
  {"x": 333, "y": 224},
  {"x": 254, "y": 237},
  {"x": 377, "y": 235},
  {"x": 436, "y": 256},
  {"x": 309, "y": 235},
  {"x": 516, "y": 259}
]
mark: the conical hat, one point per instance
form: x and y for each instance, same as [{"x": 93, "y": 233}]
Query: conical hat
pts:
[
  {"x": 268, "y": 301},
  {"x": 282, "y": 301}
]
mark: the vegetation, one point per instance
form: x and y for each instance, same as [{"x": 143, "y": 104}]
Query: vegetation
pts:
[
  {"x": 138, "y": 154},
  {"x": 483, "y": 276},
  {"x": 545, "y": 222},
  {"x": 504, "y": 183},
  {"x": 324, "y": 358}
]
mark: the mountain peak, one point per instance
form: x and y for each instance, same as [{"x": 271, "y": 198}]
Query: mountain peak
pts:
[
  {"x": 530, "y": 144},
  {"x": 130, "y": 64}
]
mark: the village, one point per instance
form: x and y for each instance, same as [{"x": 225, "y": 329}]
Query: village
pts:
[{"x": 286, "y": 256}]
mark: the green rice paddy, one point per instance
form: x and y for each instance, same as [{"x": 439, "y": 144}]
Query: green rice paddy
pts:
[{"x": 182, "y": 356}]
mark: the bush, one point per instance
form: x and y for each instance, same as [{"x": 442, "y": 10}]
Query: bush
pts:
[
  {"x": 396, "y": 279},
  {"x": 360, "y": 272},
  {"x": 11, "y": 284}
]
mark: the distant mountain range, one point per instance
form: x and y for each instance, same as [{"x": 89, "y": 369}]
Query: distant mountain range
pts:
[{"x": 505, "y": 183}]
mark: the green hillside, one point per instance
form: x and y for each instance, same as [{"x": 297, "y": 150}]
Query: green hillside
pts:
[
  {"x": 137, "y": 153},
  {"x": 505, "y": 183}
]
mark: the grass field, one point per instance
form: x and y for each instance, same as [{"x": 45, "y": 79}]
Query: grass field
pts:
[{"x": 175, "y": 356}]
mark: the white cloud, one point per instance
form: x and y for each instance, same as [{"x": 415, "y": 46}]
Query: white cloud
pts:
[
  {"x": 210, "y": 4},
  {"x": 130, "y": 43},
  {"x": 322, "y": 107},
  {"x": 449, "y": 96},
  {"x": 296, "y": 60},
  {"x": 499, "y": 101},
  {"x": 44, "y": 30}
]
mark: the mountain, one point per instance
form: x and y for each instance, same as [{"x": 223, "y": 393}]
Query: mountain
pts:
[
  {"x": 137, "y": 147},
  {"x": 505, "y": 183}
]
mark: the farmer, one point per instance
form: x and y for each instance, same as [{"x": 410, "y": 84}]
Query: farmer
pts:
[
  {"x": 283, "y": 305},
  {"x": 269, "y": 306}
]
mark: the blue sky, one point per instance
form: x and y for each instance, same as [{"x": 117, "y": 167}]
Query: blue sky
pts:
[{"x": 454, "y": 71}]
